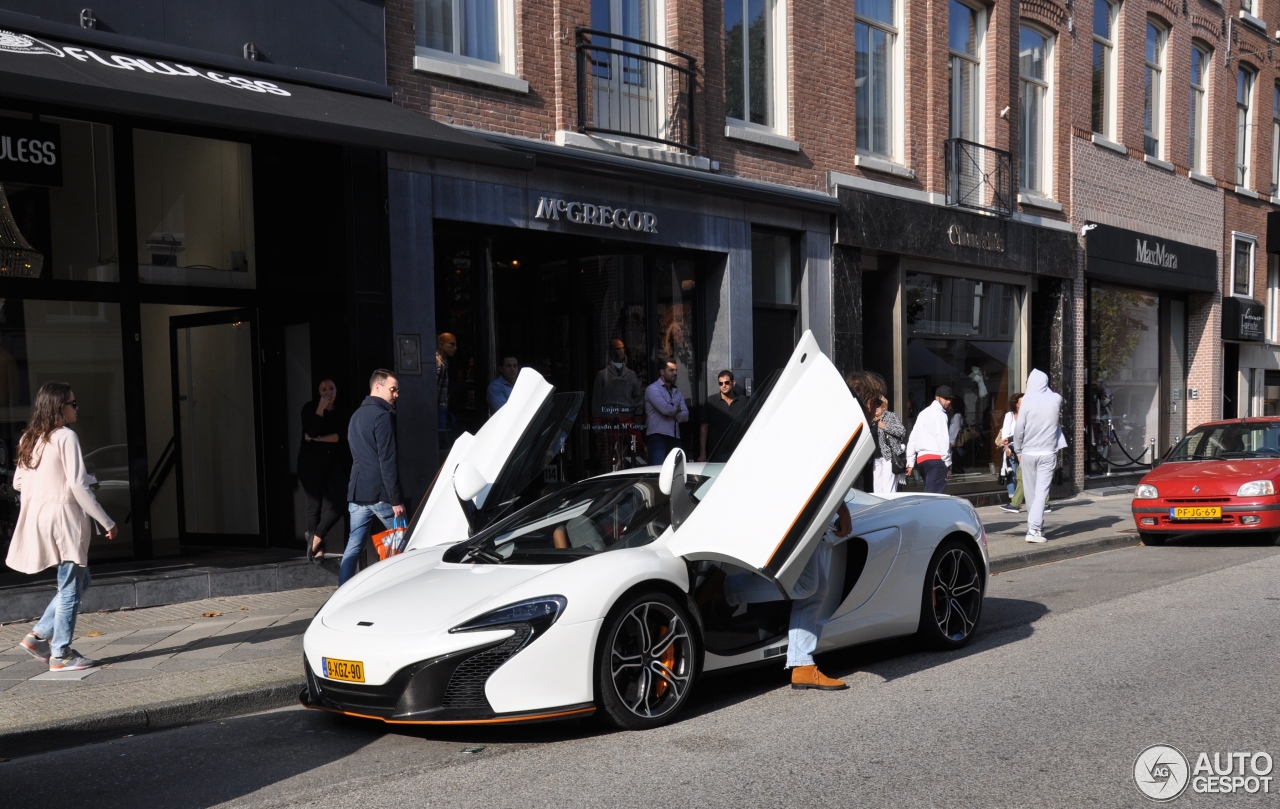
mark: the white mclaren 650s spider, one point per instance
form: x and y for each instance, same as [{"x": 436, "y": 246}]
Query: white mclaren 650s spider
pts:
[{"x": 509, "y": 607}]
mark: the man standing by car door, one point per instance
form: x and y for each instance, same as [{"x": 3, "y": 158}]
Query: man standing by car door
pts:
[
  {"x": 929, "y": 446},
  {"x": 1037, "y": 437},
  {"x": 374, "y": 490}
]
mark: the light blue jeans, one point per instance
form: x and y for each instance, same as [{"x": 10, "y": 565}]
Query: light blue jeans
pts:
[
  {"x": 810, "y": 591},
  {"x": 58, "y": 623},
  {"x": 360, "y": 517}
]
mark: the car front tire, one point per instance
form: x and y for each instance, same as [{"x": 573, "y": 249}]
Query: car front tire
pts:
[
  {"x": 1151, "y": 539},
  {"x": 952, "y": 600},
  {"x": 646, "y": 661}
]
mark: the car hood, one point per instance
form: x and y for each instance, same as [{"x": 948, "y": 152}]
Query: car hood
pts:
[
  {"x": 390, "y": 600},
  {"x": 1213, "y": 477}
]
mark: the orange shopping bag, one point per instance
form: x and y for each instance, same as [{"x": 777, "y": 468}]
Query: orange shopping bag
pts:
[{"x": 391, "y": 541}]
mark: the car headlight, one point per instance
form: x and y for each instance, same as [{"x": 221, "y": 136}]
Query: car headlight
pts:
[
  {"x": 536, "y": 613},
  {"x": 1145, "y": 491},
  {"x": 1256, "y": 488}
]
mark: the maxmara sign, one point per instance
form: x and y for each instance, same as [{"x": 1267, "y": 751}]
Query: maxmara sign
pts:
[
  {"x": 11, "y": 42},
  {"x": 1156, "y": 256},
  {"x": 586, "y": 213}
]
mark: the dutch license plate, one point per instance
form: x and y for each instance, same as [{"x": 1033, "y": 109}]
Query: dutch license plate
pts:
[
  {"x": 1196, "y": 513},
  {"x": 351, "y": 671}
]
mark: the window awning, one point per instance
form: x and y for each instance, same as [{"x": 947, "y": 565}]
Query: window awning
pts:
[{"x": 99, "y": 79}]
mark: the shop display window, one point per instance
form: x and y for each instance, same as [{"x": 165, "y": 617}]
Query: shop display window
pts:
[
  {"x": 58, "y": 217},
  {"x": 194, "y": 202},
  {"x": 1122, "y": 397},
  {"x": 966, "y": 334},
  {"x": 39, "y": 344}
]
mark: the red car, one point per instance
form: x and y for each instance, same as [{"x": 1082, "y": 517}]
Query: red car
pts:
[{"x": 1223, "y": 477}]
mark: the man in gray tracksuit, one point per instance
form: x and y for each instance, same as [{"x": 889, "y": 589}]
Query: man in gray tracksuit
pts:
[{"x": 1037, "y": 439}]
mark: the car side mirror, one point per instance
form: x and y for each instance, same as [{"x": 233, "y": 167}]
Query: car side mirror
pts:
[
  {"x": 671, "y": 483},
  {"x": 467, "y": 481}
]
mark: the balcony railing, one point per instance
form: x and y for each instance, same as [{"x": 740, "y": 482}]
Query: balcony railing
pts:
[
  {"x": 630, "y": 88},
  {"x": 980, "y": 177}
]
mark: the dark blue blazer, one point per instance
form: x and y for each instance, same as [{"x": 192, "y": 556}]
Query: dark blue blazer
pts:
[{"x": 371, "y": 435}]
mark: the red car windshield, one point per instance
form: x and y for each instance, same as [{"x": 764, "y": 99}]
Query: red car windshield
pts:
[{"x": 1232, "y": 441}]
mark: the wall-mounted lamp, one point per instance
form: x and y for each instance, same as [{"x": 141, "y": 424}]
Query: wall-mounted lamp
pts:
[
  {"x": 251, "y": 52},
  {"x": 87, "y": 20},
  {"x": 1084, "y": 229}
]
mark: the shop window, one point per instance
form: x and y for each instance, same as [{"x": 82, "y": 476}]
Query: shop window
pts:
[
  {"x": 194, "y": 210},
  {"x": 37, "y": 345},
  {"x": 57, "y": 189},
  {"x": 1243, "y": 247},
  {"x": 1035, "y": 122},
  {"x": 966, "y": 29},
  {"x": 756, "y": 62},
  {"x": 1153, "y": 91},
  {"x": 877, "y": 64},
  {"x": 1122, "y": 401},
  {"x": 1198, "y": 119},
  {"x": 1244, "y": 123},
  {"x": 775, "y": 277},
  {"x": 1104, "y": 68},
  {"x": 964, "y": 333}
]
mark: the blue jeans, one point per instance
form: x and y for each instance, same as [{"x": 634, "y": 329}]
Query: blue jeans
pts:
[
  {"x": 360, "y": 516},
  {"x": 659, "y": 447},
  {"x": 1012, "y": 485},
  {"x": 58, "y": 623},
  {"x": 809, "y": 594}
]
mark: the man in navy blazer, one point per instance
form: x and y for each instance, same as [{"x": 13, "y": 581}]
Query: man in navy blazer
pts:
[{"x": 374, "y": 490}]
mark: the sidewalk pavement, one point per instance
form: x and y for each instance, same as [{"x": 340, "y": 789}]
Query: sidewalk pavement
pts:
[{"x": 197, "y": 661}]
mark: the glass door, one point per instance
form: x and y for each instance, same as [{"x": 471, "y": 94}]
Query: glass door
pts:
[{"x": 215, "y": 404}]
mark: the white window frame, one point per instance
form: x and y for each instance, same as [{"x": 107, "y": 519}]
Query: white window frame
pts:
[
  {"x": 778, "y": 73},
  {"x": 1243, "y": 238},
  {"x": 1275, "y": 139},
  {"x": 897, "y": 84},
  {"x": 502, "y": 73},
  {"x": 1109, "y": 65},
  {"x": 1244, "y": 137},
  {"x": 1273, "y": 298},
  {"x": 1199, "y": 104},
  {"x": 1155, "y": 73},
  {"x": 979, "y": 60},
  {"x": 1046, "y": 125}
]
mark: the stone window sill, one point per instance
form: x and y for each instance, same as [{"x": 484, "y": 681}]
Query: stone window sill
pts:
[
  {"x": 871, "y": 163},
  {"x": 763, "y": 137},
  {"x": 1106, "y": 143},
  {"x": 628, "y": 148},
  {"x": 1037, "y": 201},
  {"x": 1201, "y": 178},
  {"x": 1246, "y": 192},
  {"x": 425, "y": 61},
  {"x": 1158, "y": 163},
  {"x": 1252, "y": 20}
]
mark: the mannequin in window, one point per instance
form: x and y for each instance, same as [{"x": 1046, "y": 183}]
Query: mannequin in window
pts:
[{"x": 617, "y": 390}]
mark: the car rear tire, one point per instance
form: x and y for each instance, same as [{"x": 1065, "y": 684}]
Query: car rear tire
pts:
[
  {"x": 1152, "y": 539},
  {"x": 646, "y": 661},
  {"x": 952, "y": 600}
]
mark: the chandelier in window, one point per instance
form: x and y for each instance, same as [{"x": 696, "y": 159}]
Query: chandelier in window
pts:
[{"x": 18, "y": 259}]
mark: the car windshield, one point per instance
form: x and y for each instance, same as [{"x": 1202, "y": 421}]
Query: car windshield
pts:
[
  {"x": 1232, "y": 441},
  {"x": 594, "y": 516}
]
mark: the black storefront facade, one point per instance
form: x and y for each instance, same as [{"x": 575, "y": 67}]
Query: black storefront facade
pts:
[
  {"x": 553, "y": 265},
  {"x": 192, "y": 241},
  {"x": 1141, "y": 292},
  {"x": 927, "y": 295}
]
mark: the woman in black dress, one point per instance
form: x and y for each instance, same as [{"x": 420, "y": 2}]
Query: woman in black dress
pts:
[{"x": 322, "y": 468}]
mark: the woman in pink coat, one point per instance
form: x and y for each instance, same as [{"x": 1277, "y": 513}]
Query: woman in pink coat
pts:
[{"x": 53, "y": 523}]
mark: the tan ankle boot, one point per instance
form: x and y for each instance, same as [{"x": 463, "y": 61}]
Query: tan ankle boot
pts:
[{"x": 810, "y": 677}]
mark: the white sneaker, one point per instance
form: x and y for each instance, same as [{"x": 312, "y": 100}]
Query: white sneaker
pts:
[{"x": 1035, "y": 536}]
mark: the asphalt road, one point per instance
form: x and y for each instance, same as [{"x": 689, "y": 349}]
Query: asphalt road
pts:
[{"x": 1078, "y": 667}]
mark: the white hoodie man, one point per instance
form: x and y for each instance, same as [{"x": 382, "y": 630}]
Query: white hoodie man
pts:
[{"x": 1037, "y": 437}]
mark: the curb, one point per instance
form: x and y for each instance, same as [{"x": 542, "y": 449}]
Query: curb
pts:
[
  {"x": 1051, "y": 552},
  {"x": 146, "y": 718}
]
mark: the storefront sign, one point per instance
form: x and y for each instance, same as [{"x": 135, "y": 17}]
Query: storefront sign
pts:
[
  {"x": 991, "y": 242},
  {"x": 1243, "y": 319},
  {"x": 11, "y": 42},
  {"x": 30, "y": 153},
  {"x": 586, "y": 213},
  {"x": 1140, "y": 259}
]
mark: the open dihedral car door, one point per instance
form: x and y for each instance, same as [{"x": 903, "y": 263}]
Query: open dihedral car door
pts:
[
  {"x": 776, "y": 495},
  {"x": 531, "y": 419}
]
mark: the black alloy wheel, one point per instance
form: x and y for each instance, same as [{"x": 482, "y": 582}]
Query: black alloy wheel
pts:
[
  {"x": 952, "y": 600},
  {"x": 646, "y": 661}
]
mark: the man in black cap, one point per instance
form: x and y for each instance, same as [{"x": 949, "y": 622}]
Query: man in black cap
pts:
[{"x": 929, "y": 446}]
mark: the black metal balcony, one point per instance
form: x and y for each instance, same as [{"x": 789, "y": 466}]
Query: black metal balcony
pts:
[
  {"x": 630, "y": 88},
  {"x": 980, "y": 177}
]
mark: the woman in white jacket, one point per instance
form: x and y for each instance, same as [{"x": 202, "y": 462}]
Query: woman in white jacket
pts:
[{"x": 53, "y": 523}]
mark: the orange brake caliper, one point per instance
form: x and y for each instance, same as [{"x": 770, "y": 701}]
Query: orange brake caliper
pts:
[{"x": 668, "y": 660}]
